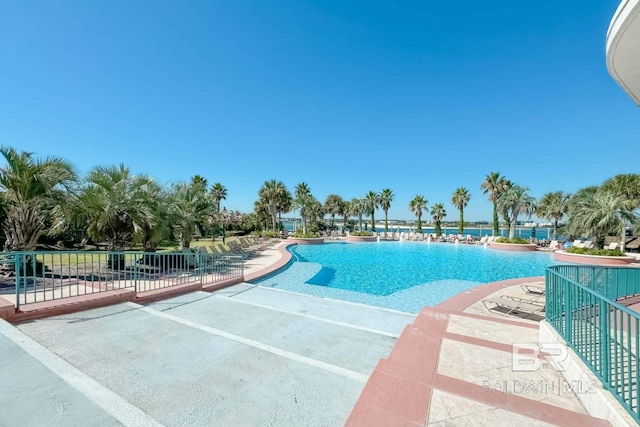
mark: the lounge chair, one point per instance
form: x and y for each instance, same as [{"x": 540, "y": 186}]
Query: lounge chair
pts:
[
  {"x": 513, "y": 306},
  {"x": 554, "y": 245},
  {"x": 578, "y": 244},
  {"x": 588, "y": 244},
  {"x": 613, "y": 245},
  {"x": 533, "y": 289}
]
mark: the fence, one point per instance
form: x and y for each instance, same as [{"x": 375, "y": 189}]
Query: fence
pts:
[
  {"x": 581, "y": 306},
  {"x": 46, "y": 276}
]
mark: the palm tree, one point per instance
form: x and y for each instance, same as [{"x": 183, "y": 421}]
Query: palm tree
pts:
[
  {"x": 494, "y": 185},
  {"x": 333, "y": 205},
  {"x": 31, "y": 189},
  {"x": 218, "y": 192},
  {"x": 302, "y": 188},
  {"x": 596, "y": 212},
  {"x": 307, "y": 205},
  {"x": 627, "y": 186},
  {"x": 553, "y": 206},
  {"x": 460, "y": 198},
  {"x": 372, "y": 202},
  {"x": 417, "y": 205},
  {"x": 438, "y": 213},
  {"x": 346, "y": 213},
  {"x": 188, "y": 207},
  {"x": 116, "y": 206},
  {"x": 516, "y": 200},
  {"x": 285, "y": 204},
  {"x": 303, "y": 201},
  {"x": 506, "y": 186},
  {"x": 263, "y": 216},
  {"x": 386, "y": 197},
  {"x": 314, "y": 213},
  {"x": 199, "y": 179},
  {"x": 358, "y": 208},
  {"x": 271, "y": 195}
]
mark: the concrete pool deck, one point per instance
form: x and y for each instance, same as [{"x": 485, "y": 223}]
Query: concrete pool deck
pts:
[{"x": 251, "y": 355}]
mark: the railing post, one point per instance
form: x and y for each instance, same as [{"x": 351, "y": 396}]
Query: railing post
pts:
[
  {"x": 16, "y": 264},
  {"x": 605, "y": 353},
  {"x": 136, "y": 272},
  {"x": 568, "y": 307}
]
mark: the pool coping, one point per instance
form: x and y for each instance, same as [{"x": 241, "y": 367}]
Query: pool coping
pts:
[{"x": 281, "y": 263}]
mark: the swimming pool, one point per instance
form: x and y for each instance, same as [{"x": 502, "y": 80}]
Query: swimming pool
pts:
[{"x": 404, "y": 276}]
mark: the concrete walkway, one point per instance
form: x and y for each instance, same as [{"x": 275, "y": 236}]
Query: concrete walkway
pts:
[{"x": 244, "y": 355}]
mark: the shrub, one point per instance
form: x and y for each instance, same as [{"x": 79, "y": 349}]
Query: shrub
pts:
[
  {"x": 270, "y": 234},
  {"x": 362, "y": 233},
  {"x": 601, "y": 252},
  {"x": 302, "y": 235},
  {"x": 516, "y": 240}
]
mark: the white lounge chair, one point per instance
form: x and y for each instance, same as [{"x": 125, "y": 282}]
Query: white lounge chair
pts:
[{"x": 513, "y": 306}]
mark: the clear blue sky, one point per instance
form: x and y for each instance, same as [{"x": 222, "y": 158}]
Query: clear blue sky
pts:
[{"x": 349, "y": 96}]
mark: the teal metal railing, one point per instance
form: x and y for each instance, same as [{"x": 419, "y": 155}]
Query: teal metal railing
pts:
[
  {"x": 46, "y": 276},
  {"x": 581, "y": 305}
]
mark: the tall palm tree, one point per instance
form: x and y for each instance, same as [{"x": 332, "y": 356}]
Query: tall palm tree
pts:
[
  {"x": 627, "y": 186},
  {"x": 263, "y": 216},
  {"x": 358, "y": 208},
  {"x": 460, "y": 198},
  {"x": 596, "y": 212},
  {"x": 218, "y": 192},
  {"x": 504, "y": 211},
  {"x": 285, "y": 204},
  {"x": 438, "y": 213},
  {"x": 199, "y": 179},
  {"x": 372, "y": 202},
  {"x": 386, "y": 197},
  {"x": 417, "y": 205},
  {"x": 333, "y": 205},
  {"x": 553, "y": 206},
  {"x": 271, "y": 194},
  {"x": 307, "y": 205},
  {"x": 516, "y": 200},
  {"x": 315, "y": 212},
  {"x": 346, "y": 213},
  {"x": 494, "y": 185},
  {"x": 302, "y": 188},
  {"x": 31, "y": 189}
]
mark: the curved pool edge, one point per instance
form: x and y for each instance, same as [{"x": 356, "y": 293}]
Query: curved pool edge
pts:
[
  {"x": 465, "y": 299},
  {"x": 281, "y": 264}
]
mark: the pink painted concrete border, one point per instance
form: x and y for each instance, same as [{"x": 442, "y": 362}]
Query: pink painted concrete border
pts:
[
  {"x": 304, "y": 241},
  {"x": 282, "y": 262},
  {"x": 354, "y": 239},
  {"x": 593, "y": 259},
  {"x": 513, "y": 247}
]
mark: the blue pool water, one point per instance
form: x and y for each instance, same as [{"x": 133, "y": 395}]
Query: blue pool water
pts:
[{"x": 404, "y": 276}]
